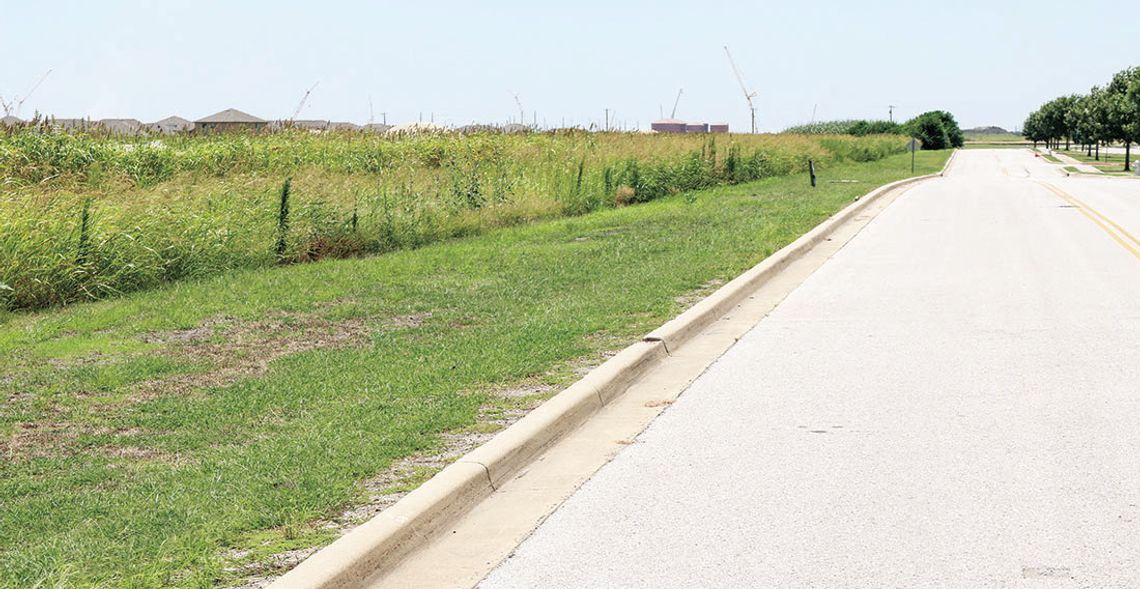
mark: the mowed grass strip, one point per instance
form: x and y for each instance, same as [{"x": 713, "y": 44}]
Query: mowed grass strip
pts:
[{"x": 150, "y": 439}]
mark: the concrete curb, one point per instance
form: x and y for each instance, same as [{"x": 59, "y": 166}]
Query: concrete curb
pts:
[
  {"x": 359, "y": 554},
  {"x": 682, "y": 327}
]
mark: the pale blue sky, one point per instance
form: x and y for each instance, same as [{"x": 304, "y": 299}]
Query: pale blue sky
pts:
[{"x": 988, "y": 62}]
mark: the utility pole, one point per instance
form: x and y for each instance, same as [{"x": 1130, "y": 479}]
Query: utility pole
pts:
[
  {"x": 891, "y": 112},
  {"x": 607, "y": 128}
]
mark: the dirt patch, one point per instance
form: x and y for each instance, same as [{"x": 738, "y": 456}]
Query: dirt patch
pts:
[
  {"x": 524, "y": 391},
  {"x": 263, "y": 572},
  {"x": 383, "y": 491},
  {"x": 246, "y": 349},
  {"x": 691, "y": 298},
  {"x": 414, "y": 320},
  {"x": 227, "y": 348},
  {"x": 199, "y": 333}
]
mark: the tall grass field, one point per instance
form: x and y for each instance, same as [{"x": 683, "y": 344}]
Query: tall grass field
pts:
[{"x": 86, "y": 217}]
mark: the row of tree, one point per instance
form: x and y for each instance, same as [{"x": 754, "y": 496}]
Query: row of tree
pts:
[
  {"x": 937, "y": 129},
  {"x": 1106, "y": 115}
]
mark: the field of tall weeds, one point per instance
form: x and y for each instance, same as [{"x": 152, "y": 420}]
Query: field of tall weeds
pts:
[{"x": 85, "y": 217}]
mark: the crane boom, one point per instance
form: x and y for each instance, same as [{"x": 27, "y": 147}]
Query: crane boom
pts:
[
  {"x": 304, "y": 99},
  {"x": 748, "y": 96},
  {"x": 13, "y": 107},
  {"x": 522, "y": 113},
  {"x": 673, "y": 114}
]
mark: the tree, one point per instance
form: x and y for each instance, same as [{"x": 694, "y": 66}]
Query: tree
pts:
[
  {"x": 953, "y": 132},
  {"x": 937, "y": 129},
  {"x": 1078, "y": 119},
  {"x": 1128, "y": 81},
  {"x": 1032, "y": 129},
  {"x": 930, "y": 129}
]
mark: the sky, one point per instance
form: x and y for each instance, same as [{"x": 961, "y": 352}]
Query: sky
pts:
[{"x": 988, "y": 62}]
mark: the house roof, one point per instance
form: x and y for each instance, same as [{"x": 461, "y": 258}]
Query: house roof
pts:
[
  {"x": 307, "y": 124},
  {"x": 230, "y": 115},
  {"x": 122, "y": 126},
  {"x": 172, "y": 121}
]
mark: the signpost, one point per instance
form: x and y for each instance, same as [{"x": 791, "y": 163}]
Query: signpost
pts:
[{"x": 913, "y": 147}]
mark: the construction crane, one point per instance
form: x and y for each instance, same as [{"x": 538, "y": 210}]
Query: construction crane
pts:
[
  {"x": 747, "y": 95},
  {"x": 304, "y": 99},
  {"x": 13, "y": 108},
  {"x": 522, "y": 113},
  {"x": 673, "y": 114}
]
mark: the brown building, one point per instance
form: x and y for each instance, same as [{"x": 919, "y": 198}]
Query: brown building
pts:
[
  {"x": 718, "y": 127},
  {"x": 668, "y": 126},
  {"x": 230, "y": 120}
]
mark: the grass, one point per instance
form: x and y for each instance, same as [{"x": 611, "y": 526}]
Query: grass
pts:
[
  {"x": 1108, "y": 162},
  {"x": 87, "y": 217},
  {"x": 997, "y": 145},
  {"x": 971, "y": 137},
  {"x": 179, "y": 436}
]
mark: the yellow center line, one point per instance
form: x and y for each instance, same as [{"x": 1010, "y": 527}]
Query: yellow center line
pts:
[
  {"x": 1103, "y": 217},
  {"x": 1099, "y": 219}
]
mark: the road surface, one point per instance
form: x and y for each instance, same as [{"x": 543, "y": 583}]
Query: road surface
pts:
[{"x": 953, "y": 400}]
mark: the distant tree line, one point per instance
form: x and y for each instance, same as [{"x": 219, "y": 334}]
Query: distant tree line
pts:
[
  {"x": 1106, "y": 115},
  {"x": 936, "y": 129}
]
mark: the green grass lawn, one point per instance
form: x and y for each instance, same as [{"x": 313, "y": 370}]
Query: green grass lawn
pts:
[
  {"x": 157, "y": 439},
  {"x": 1108, "y": 162}
]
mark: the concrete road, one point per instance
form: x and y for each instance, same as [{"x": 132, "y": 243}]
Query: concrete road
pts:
[{"x": 953, "y": 400}]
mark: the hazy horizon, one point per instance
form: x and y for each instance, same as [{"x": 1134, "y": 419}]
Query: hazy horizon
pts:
[{"x": 463, "y": 63}]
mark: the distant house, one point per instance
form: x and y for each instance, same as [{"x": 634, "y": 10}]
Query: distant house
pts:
[
  {"x": 230, "y": 120},
  {"x": 343, "y": 126},
  {"x": 10, "y": 121},
  {"x": 120, "y": 126},
  {"x": 70, "y": 124},
  {"x": 718, "y": 127},
  {"x": 170, "y": 125},
  {"x": 308, "y": 124},
  {"x": 376, "y": 127}
]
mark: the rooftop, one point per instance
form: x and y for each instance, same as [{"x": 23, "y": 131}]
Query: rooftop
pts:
[{"x": 230, "y": 115}]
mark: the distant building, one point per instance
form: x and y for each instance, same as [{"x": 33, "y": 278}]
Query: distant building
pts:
[
  {"x": 668, "y": 126},
  {"x": 343, "y": 126},
  {"x": 307, "y": 124},
  {"x": 120, "y": 126},
  {"x": 718, "y": 127},
  {"x": 696, "y": 127},
  {"x": 230, "y": 120},
  {"x": 70, "y": 124},
  {"x": 170, "y": 125},
  {"x": 10, "y": 121},
  {"x": 376, "y": 127}
]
